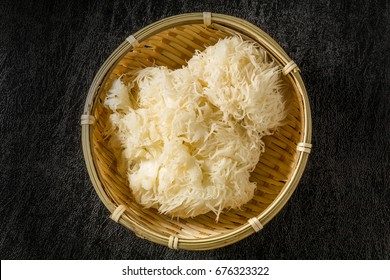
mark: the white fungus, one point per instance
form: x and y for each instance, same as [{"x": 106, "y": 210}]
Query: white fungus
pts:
[{"x": 190, "y": 137}]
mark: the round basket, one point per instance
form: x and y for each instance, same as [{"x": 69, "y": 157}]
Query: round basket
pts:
[{"x": 172, "y": 42}]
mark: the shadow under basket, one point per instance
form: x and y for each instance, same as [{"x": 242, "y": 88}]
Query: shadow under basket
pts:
[{"x": 172, "y": 42}]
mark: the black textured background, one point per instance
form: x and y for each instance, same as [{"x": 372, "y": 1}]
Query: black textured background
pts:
[{"x": 49, "y": 54}]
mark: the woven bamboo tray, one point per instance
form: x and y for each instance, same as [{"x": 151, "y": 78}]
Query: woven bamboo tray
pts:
[{"x": 171, "y": 42}]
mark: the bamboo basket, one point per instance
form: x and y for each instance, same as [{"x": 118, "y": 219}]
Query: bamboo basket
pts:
[{"x": 171, "y": 42}]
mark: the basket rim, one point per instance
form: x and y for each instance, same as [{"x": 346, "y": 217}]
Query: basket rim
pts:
[{"x": 220, "y": 21}]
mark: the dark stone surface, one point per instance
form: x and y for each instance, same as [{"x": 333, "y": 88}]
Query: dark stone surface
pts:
[{"x": 49, "y": 54}]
